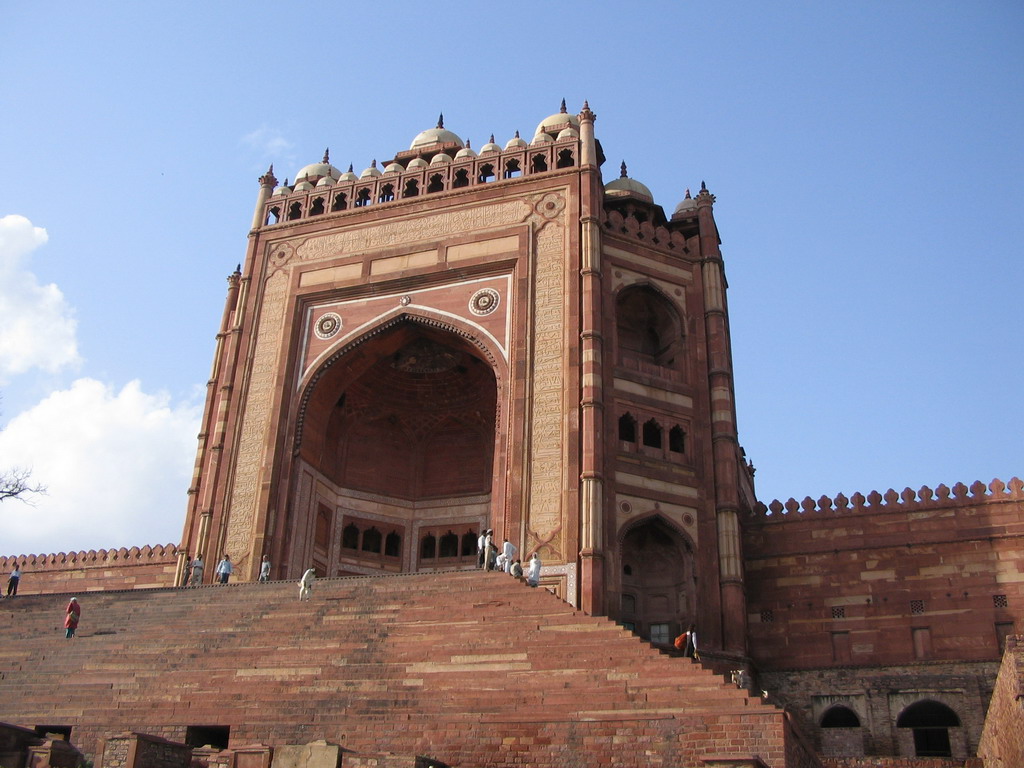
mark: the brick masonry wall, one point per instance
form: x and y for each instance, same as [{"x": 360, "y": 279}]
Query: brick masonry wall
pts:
[
  {"x": 1002, "y": 741},
  {"x": 93, "y": 571},
  {"x": 878, "y": 602},
  {"x": 878, "y": 695}
]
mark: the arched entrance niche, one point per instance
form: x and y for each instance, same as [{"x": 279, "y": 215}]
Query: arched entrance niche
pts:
[
  {"x": 395, "y": 456},
  {"x": 649, "y": 329},
  {"x": 657, "y": 579}
]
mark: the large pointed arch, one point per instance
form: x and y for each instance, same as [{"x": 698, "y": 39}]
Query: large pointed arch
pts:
[{"x": 396, "y": 428}]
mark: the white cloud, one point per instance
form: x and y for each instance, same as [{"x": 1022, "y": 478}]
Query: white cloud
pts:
[
  {"x": 116, "y": 465},
  {"x": 268, "y": 141},
  {"x": 37, "y": 326}
]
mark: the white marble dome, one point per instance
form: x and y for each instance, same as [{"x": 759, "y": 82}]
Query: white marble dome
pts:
[
  {"x": 558, "y": 120},
  {"x": 437, "y": 135},
  {"x": 627, "y": 187}
]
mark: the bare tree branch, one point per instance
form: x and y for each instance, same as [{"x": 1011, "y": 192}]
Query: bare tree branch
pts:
[{"x": 16, "y": 483}]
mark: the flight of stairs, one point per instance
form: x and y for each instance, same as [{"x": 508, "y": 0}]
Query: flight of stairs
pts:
[{"x": 470, "y": 668}]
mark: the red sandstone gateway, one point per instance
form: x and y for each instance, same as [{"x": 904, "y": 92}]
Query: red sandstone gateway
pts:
[{"x": 463, "y": 340}]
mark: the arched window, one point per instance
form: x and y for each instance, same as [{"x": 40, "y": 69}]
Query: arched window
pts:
[
  {"x": 294, "y": 211},
  {"x": 340, "y": 202},
  {"x": 363, "y": 198},
  {"x": 652, "y": 434},
  {"x": 449, "y": 545},
  {"x": 512, "y": 169},
  {"x": 538, "y": 164},
  {"x": 436, "y": 183},
  {"x": 840, "y": 717},
  {"x": 676, "y": 439},
  {"x": 387, "y": 193},
  {"x": 428, "y": 547},
  {"x": 486, "y": 174},
  {"x": 393, "y": 545},
  {"x": 371, "y": 541},
  {"x": 350, "y": 537},
  {"x": 930, "y": 722},
  {"x": 627, "y": 428},
  {"x": 317, "y": 207},
  {"x": 469, "y": 543},
  {"x": 412, "y": 188},
  {"x": 273, "y": 216},
  {"x": 648, "y": 326},
  {"x": 565, "y": 159},
  {"x": 461, "y": 178}
]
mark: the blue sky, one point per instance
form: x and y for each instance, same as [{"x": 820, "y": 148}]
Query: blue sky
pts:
[{"x": 866, "y": 158}]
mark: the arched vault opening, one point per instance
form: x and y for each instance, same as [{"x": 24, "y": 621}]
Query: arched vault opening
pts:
[
  {"x": 396, "y": 447},
  {"x": 657, "y": 580}
]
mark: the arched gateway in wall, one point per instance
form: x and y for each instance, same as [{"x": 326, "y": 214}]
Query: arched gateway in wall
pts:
[{"x": 395, "y": 452}]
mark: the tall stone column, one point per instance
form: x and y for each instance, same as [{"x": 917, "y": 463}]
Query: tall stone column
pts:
[
  {"x": 592, "y": 502},
  {"x": 725, "y": 445}
]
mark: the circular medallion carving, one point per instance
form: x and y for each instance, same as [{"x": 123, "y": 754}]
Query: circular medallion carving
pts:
[
  {"x": 484, "y": 301},
  {"x": 405, "y": 301},
  {"x": 626, "y": 507},
  {"x": 328, "y": 325},
  {"x": 688, "y": 519}
]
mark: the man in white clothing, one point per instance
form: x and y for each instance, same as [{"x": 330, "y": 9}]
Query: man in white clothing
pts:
[
  {"x": 533, "y": 575},
  {"x": 508, "y": 549},
  {"x": 306, "y": 584}
]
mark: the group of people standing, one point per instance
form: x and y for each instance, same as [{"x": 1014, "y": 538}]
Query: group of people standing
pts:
[
  {"x": 193, "y": 575},
  {"x": 491, "y": 559}
]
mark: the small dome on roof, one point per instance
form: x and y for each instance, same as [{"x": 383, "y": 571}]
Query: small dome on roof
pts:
[
  {"x": 417, "y": 162},
  {"x": 466, "y": 151},
  {"x": 686, "y": 204},
  {"x": 316, "y": 171},
  {"x": 283, "y": 189},
  {"x": 372, "y": 172},
  {"x": 568, "y": 133},
  {"x": 627, "y": 187},
  {"x": 438, "y": 135},
  {"x": 326, "y": 181},
  {"x": 302, "y": 186},
  {"x": 440, "y": 158},
  {"x": 514, "y": 142},
  {"x": 490, "y": 146},
  {"x": 542, "y": 138},
  {"x": 557, "y": 120},
  {"x": 393, "y": 168},
  {"x": 348, "y": 175}
]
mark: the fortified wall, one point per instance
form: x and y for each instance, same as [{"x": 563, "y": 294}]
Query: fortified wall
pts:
[
  {"x": 862, "y": 609},
  {"x": 95, "y": 570}
]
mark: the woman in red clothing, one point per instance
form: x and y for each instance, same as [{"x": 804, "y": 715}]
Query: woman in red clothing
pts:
[{"x": 74, "y": 613}]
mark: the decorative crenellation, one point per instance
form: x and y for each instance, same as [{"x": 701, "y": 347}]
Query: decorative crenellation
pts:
[
  {"x": 655, "y": 236},
  {"x": 94, "y": 557},
  {"x": 925, "y": 498}
]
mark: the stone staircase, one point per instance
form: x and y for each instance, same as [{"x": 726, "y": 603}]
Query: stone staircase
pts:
[{"x": 469, "y": 668}]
